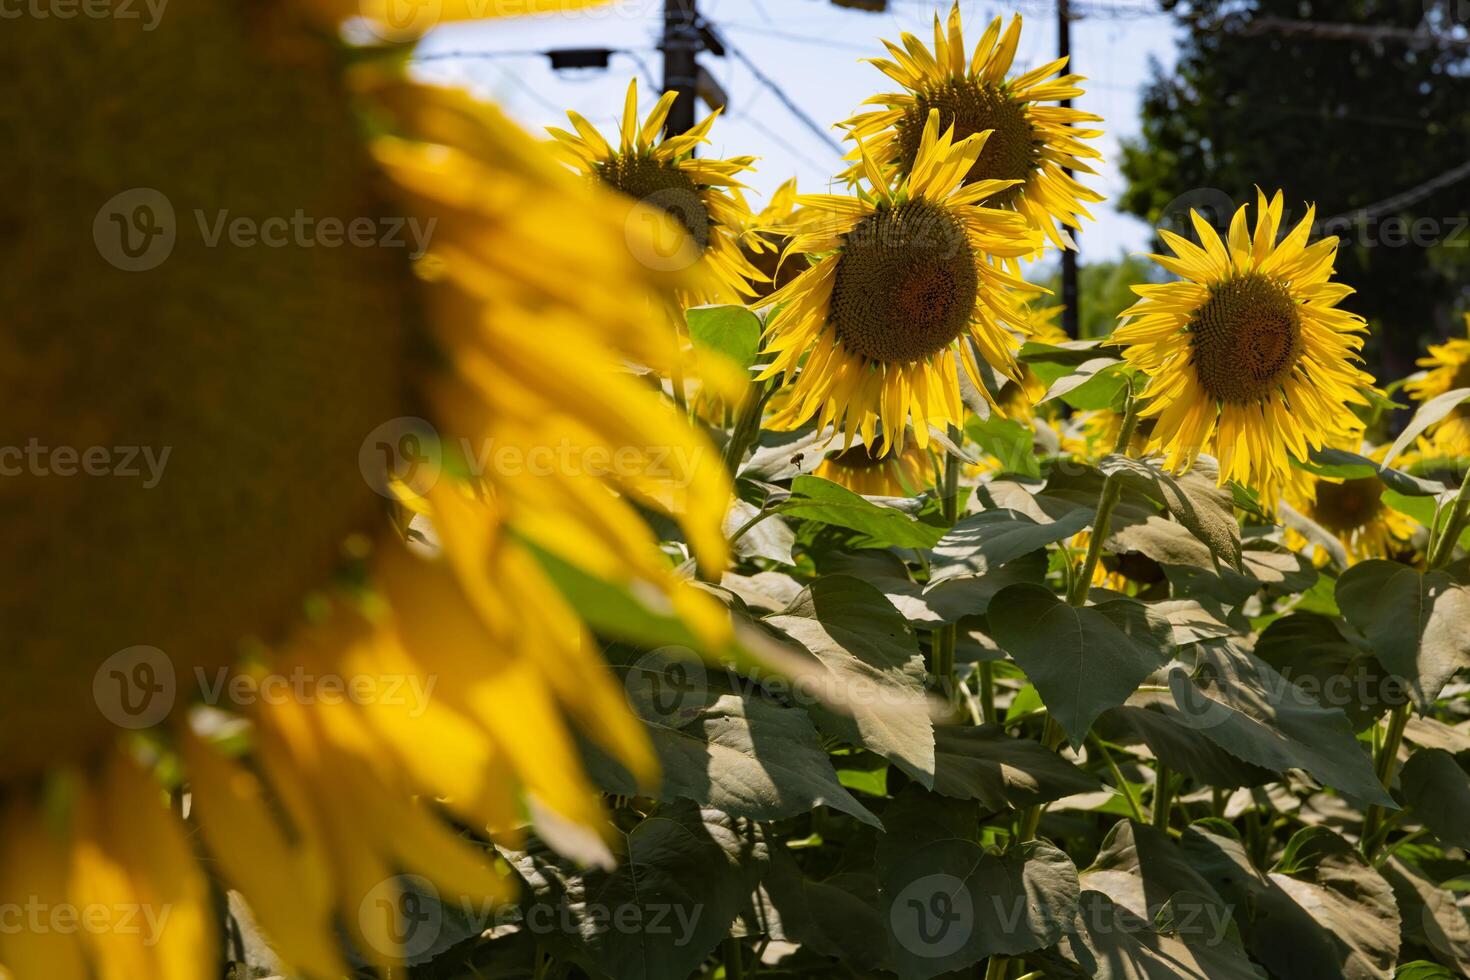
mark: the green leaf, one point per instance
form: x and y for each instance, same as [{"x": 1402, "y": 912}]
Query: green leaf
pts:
[
  {"x": 835, "y": 917},
  {"x": 1423, "y": 970},
  {"x": 1429, "y": 413},
  {"x": 984, "y": 763},
  {"x": 742, "y": 753},
  {"x": 1094, "y": 384},
  {"x": 1344, "y": 465},
  {"x": 1419, "y": 625},
  {"x": 1311, "y": 651},
  {"x": 874, "y": 665},
  {"x": 1083, "y": 661},
  {"x": 1431, "y": 918},
  {"x": 1069, "y": 354},
  {"x": 938, "y": 604},
  {"x": 815, "y": 499},
  {"x": 683, "y": 879},
  {"x": 1193, "y": 499},
  {"x": 1196, "y": 620},
  {"x": 1110, "y": 942},
  {"x": 770, "y": 539},
  {"x": 1170, "y": 737},
  {"x": 1243, "y": 705},
  {"x": 731, "y": 331},
  {"x": 1009, "y": 441},
  {"x": 1332, "y": 916},
  {"x": 985, "y": 541},
  {"x": 1423, "y": 509},
  {"x": 1438, "y": 790},
  {"x": 949, "y": 904}
]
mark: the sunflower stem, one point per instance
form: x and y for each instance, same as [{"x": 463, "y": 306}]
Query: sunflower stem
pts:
[
  {"x": 1444, "y": 547},
  {"x": 946, "y": 639},
  {"x": 1163, "y": 800},
  {"x": 1112, "y": 491},
  {"x": 1123, "y": 785},
  {"x": 1383, "y": 765},
  {"x": 747, "y": 427},
  {"x": 987, "y": 693}
]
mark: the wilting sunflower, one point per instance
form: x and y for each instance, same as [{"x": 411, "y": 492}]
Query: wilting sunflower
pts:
[
  {"x": 877, "y": 473},
  {"x": 1031, "y": 144},
  {"x": 903, "y": 292},
  {"x": 1354, "y": 512},
  {"x": 1448, "y": 369},
  {"x": 663, "y": 173},
  {"x": 276, "y": 380},
  {"x": 1248, "y": 357}
]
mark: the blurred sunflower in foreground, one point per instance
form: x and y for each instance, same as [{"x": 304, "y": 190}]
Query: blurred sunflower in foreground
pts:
[
  {"x": 663, "y": 173},
  {"x": 1447, "y": 369},
  {"x": 1247, "y": 355},
  {"x": 274, "y": 378},
  {"x": 1034, "y": 146},
  {"x": 903, "y": 291}
]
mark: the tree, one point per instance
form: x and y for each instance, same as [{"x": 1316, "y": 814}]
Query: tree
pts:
[{"x": 1264, "y": 95}]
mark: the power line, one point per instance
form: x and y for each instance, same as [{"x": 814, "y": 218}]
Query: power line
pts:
[
  {"x": 791, "y": 106},
  {"x": 1406, "y": 199}
]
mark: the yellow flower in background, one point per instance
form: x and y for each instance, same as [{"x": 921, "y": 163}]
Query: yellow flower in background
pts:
[
  {"x": 768, "y": 235},
  {"x": 877, "y": 473},
  {"x": 1247, "y": 355},
  {"x": 902, "y": 294},
  {"x": 287, "y": 392},
  {"x": 663, "y": 174},
  {"x": 1354, "y": 512},
  {"x": 1447, "y": 369},
  {"x": 1032, "y": 144}
]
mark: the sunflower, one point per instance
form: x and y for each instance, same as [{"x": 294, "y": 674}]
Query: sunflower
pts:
[
  {"x": 769, "y": 233},
  {"x": 903, "y": 292},
  {"x": 878, "y": 473},
  {"x": 1033, "y": 146},
  {"x": 311, "y": 397},
  {"x": 663, "y": 174},
  {"x": 1247, "y": 356},
  {"x": 1353, "y": 511},
  {"x": 1448, "y": 369}
]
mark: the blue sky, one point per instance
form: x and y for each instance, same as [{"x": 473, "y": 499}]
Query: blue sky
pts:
[{"x": 812, "y": 49}]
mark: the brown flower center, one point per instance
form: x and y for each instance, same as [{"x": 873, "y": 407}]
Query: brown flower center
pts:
[
  {"x": 190, "y": 409},
  {"x": 1011, "y": 153},
  {"x": 906, "y": 284},
  {"x": 1349, "y": 505},
  {"x": 1247, "y": 338},
  {"x": 664, "y": 187}
]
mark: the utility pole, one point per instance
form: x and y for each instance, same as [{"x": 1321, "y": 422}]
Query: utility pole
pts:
[
  {"x": 1071, "y": 315},
  {"x": 681, "y": 68}
]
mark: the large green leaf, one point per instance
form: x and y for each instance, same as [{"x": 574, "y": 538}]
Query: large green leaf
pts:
[
  {"x": 1094, "y": 384},
  {"x": 1346, "y": 465},
  {"x": 985, "y": 541},
  {"x": 1193, "y": 499},
  {"x": 1428, "y": 414},
  {"x": 1438, "y": 790},
  {"x": 949, "y": 903},
  {"x": 742, "y": 753},
  {"x": 731, "y": 331},
  {"x": 874, "y": 667},
  {"x": 684, "y": 876},
  {"x": 821, "y": 500},
  {"x": 1169, "y": 736},
  {"x": 1311, "y": 651},
  {"x": 771, "y": 538},
  {"x": 836, "y": 917},
  {"x": 1111, "y": 942},
  {"x": 1418, "y": 624},
  {"x": 1082, "y": 661},
  {"x": 1243, "y": 705},
  {"x": 1429, "y": 914},
  {"x": 984, "y": 763},
  {"x": 1325, "y": 913},
  {"x": 1012, "y": 443},
  {"x": 941, "y": 603}
]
